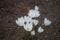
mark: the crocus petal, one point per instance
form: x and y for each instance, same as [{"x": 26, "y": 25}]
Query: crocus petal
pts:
[
  {"x": 36, "y": 7},
  {"x": 28, "y": 26},
  {"x": 40, "y": 30},
  {"x": 32, "y": 32},
  {"x": 20, "y": 21},
  {"x": 27, "y": 19},
  {"x": 35, "y": 22},
  {"x": 47, "y": 22}
]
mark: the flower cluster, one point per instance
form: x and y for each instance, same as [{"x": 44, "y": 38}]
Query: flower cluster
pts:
[{"x": 28, "y": 21}]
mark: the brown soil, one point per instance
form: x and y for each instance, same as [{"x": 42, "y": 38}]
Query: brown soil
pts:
[{"x": 10, "y": 10}]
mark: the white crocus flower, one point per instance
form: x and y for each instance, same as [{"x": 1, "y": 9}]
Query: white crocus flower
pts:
[
  {"x": 27, "y": 19},
  {"x": 20, "y": 21},
  {"x": 32, "y": 32},
  {"x": 40, "y": 30},
  {"x": 47, "y": 22},
  {"x": 34, "y": 13},
  {"x": 35, "y": 22},
  {"x": 28, "y": 26}
]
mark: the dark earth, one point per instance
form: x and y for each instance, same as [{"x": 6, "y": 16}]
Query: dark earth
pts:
[{"x": 11, "y": 10}]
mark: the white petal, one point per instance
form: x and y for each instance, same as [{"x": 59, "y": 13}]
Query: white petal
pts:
[
  {"x": 32, "y": 32},
  {"x": 35, "y": 22},
  {"x": 28, "y": 27},
  {"x": 33, "y": 13},
  {"x": 21, "y": 18},
  {"x": 27, "y": 19},
  {"x": 40, "y": 30},
  {"x": 16, "y": 21},
  {"x": 20, "y": 21},
  {"x": 36, "y": 7},
  {"x": 37, "y": 15},
  {"x": 47, "y": 22}
]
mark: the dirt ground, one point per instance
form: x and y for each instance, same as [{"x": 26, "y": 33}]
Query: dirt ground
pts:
[{"x": 10, "y": 10}]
